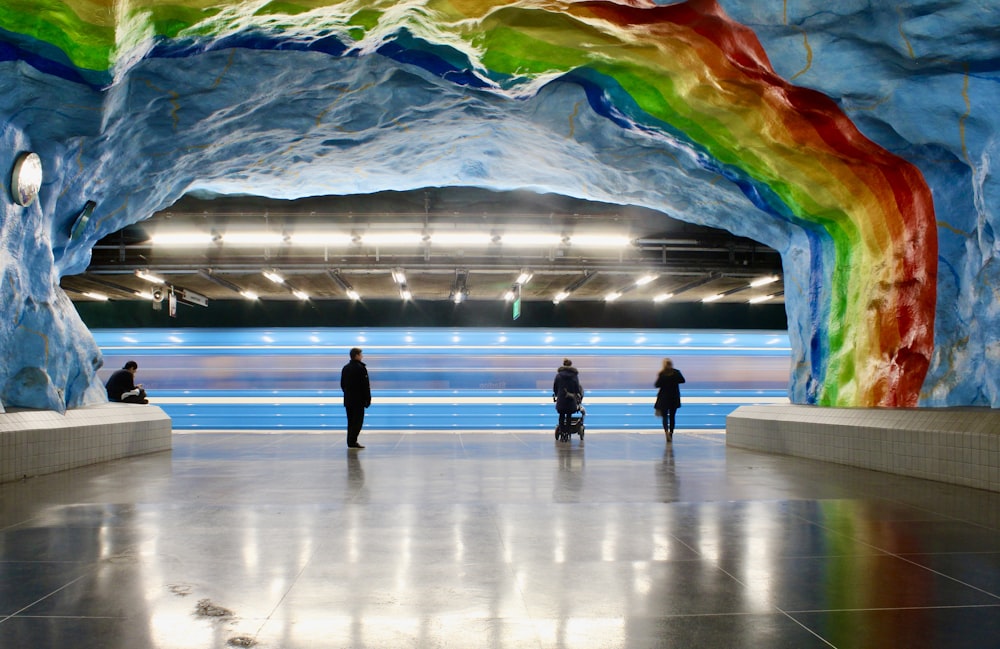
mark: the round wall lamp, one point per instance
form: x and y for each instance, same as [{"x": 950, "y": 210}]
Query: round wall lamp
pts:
[{"x": 26, "y": 179}]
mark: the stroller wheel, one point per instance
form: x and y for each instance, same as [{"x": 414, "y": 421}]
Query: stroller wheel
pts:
[
  {"x": 581, "y": 432},
  {"x": 557, "y": 433}
]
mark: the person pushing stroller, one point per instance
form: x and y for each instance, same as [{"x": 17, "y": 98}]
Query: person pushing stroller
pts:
[{"x": 568, "y": 395}]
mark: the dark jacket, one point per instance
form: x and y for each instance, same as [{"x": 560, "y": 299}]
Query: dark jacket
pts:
[
  {"x": 119, "y": 383},
  {"x": 566, "y": 389},
  {"x": 669, "y": 395},
  {"x": 354, "y": 383}
]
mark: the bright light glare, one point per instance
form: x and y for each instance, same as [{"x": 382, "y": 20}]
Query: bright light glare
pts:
[
  {"x": 149, "y": 278},
  {"x": 399, "y": 277},
  {"x": 523, "y": 278},
  {"x": 539, "y": 240},
  {"x": 392, "y": 238},
  {"x": 459, "y": 297},
  {"x": 274, "y": 277},
  {"x": 760, "y": 298},
  {"x": 97, "y": 296},
  {"x": 461, "y": 239},
  {"x": 560, "y": 297},
  {"x": 599, "y": 241},
  {"x": 181, "y": 239},
  {"x": 253, "y": 239},
  {"x": 351, "y": 293},
  {"x": 663, "y": 297},
  {"x": 406, "y": 295},
  {"x": 611, "y": 297},
  {"x": 713, "y": 298},
  {"x": 763, "y": 281},
  {"x": 316, "y": 239},
  {"x": 509, "y": 296},
  {"x": 645, "y": 279},
  {"x": 302, "y": 295},
  {"x": 250, "y": 295}
]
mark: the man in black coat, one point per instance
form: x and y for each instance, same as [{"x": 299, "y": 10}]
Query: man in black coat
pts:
[
  {"x": 121, "y": 385},
  {"x": 357, "y": 396}
]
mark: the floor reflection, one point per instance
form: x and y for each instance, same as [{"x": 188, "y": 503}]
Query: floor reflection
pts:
[{"x": 491, "y": 540}]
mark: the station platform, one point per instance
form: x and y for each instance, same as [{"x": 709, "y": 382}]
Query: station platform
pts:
[{"x": 495, "y": 539}]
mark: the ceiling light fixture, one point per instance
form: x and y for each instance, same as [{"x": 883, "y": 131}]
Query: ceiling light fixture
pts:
[
  {"x": 100, "y": 297},
  {"x": 577, "y": 283},
  {"x": 599, "y": 241},
  {"x": 764, "y": 281},
  {"x": 274, "y": 276},
  {"x": 339, "y": 279},
  {"x": 252, "y": 239},
  {"x": 611, "y": 297},
  {"x": 560, "y": 296},
  {"x": 142, "y": 274},
  {"x": 398, "y": 276},
  {"x": 712, "y": 298},
  {"x": 662, "y": 297},
  {"x": 524, "y": 277},
  {"x": 759, "y": 299},
  {"x": 302, "y": 295},
  {"x": 183, "y": 239},
  {"x": 645, "y": 279},
  {"x": 250, "y": 295}
]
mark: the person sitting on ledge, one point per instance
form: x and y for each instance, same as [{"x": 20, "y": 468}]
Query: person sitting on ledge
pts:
[{"x": 121, "y": 386}]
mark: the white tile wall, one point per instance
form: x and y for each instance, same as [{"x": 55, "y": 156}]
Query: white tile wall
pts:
[
  {"x": 955, "y": 445},
  {"x": 35, "y": 442}
]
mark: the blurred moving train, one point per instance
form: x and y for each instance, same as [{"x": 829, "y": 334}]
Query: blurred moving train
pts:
[{"x": 441, "y": 379}]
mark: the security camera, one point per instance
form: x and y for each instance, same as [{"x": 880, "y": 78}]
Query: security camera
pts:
[{"x": 157, "y": 294}]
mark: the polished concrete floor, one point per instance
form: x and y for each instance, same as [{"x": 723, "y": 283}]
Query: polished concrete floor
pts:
[{"x": 288, "y": 541}]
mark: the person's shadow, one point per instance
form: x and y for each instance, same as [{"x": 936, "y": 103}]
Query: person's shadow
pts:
[
  {"x": 569, "y": 476},
  {"x": 356, "y": 490},
  {"x": 666, "y": 476}
]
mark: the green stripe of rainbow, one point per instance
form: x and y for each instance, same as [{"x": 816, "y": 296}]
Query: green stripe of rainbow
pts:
[{"x": 685, "y": 67}]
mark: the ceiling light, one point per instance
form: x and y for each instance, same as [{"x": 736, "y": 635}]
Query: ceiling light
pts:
[
  {"x": 398, "y": 276},
  {"x": 509, "y": 296},
  {"x": 611, "y": 297},
  {"x": 302, "y": 295},
  {"x": 459, "y": 296},
  {"x": 645, "y": 279},
  {"x": 599, "y": 241},
  {"x": 351, "y": 293},
  {"x": 759, "y": 299},
  {"x": 250, "y": 295},
  {"x": 528, "y": 240},
  {"x": 406, "y": 295},
  {"x": 663, "y": 297},
  {"x": 712, "y": 298},
  {"x": 316, "y": 239},
  {"x": 763, "y": 281},
  {"x": 274, "y": 277},
  {"x": 562, "y": 295},
  {"x": 523, "y": 278},
  {"x": 392, "y": 238},
  {"x": 461, "y": 239},
  {"x": 181, "y": 239},
  {"x": 252, "y": 239},
  {"x": 141, "y": 274},
  {"x": 96, "y": 296}
]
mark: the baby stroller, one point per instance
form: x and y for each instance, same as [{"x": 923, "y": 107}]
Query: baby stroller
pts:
[{"x": 574, "y": 427}]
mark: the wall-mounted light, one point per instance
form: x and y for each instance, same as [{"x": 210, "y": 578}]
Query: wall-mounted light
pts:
[
  {"x": 26, "y": 179},
  {"x": 82, "y": 219}
]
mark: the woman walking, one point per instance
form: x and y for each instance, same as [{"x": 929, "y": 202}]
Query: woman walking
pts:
[{"x": 668, "y": 399}]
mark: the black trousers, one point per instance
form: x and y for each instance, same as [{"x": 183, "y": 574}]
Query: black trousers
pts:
[
  {"x": 669, "y": 418},
  {"x": 564, "y": 418},
  {"x": 355, "y": 420}
]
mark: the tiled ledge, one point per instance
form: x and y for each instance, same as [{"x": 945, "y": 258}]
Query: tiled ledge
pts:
[
  {"x": 35, "y": 442},
  {"x": 955, "y": 445}
]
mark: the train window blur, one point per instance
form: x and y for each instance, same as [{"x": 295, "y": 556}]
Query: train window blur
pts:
[{"x": 435, "y": 379}]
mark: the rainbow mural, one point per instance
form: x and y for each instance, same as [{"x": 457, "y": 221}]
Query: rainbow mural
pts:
[{"x": 685, "y": 70}]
